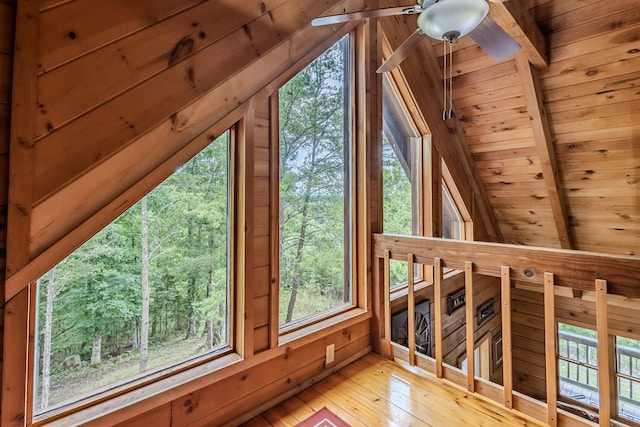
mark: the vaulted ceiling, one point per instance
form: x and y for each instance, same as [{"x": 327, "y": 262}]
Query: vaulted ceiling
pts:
[{"x": 550, "y": 138}]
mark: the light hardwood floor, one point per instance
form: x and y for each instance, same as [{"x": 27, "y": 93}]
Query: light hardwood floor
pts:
[{"x": 374, "y": 391}]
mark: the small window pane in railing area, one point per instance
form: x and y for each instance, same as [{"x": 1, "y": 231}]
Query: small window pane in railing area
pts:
[
  {"x": 628, "y": 374},
  {"x": 578, "y": 364}
]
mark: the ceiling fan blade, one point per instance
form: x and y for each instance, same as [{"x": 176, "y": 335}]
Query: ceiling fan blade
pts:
[
  {"x": 375, "y": 13},
  {"x": 494, "y": 40},
  {"x": 402, "y": 51}
]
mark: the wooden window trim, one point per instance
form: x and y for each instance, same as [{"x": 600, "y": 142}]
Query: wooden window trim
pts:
[{"x": 333, "y": 316}]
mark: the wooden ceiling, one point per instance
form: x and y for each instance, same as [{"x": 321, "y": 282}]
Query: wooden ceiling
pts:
[{"x": 555, "y": 148}]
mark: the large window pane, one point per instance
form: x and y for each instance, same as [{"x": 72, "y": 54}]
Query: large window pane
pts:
[
  {"x": 399, "y": 166},
  {"x": 315, "y": 219},
  {"x": 148, "y": 291},
  {"x": 451, "y": 219}
]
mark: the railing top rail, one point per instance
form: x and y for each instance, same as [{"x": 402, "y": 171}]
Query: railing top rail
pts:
[{"x": 573, "y": 269}]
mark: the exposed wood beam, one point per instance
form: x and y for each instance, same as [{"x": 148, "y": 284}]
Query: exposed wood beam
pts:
[
  {"x": 424, "y": 75},
  {"x": 514, "y": 17},
  {"x": 544, "y": 142}
]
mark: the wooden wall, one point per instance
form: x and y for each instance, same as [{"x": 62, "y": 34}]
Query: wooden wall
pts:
[
  {"x": 124, "y": 93},
  {"x": 7, "y": 28},
  {"x": 453, "y": 326},
  {"x": 528, "y": 329}
]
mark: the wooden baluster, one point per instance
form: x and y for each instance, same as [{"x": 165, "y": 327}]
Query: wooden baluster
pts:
[
  {"x": 606, "y": 367},
  {"x": 411, "y": 312},
  {"x": 507, "y": 366},
  {"x": 468, "y": 286},
  {"x": 437, "y": 298},
  {"x": 550, "y": 337},
  {"x": 388, "y": 349}
]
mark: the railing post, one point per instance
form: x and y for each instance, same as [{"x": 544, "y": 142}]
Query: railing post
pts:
[
  {"x": 411, "y": 312},
  {"x": 550, "y": 337},
  {"x": 468, "y": 289},
  {"x": 507, "y": 366},
  {"x": 437, "y": 296},
  {"x": 388, "y": 349},
  {"x": 608, "y": 400}
]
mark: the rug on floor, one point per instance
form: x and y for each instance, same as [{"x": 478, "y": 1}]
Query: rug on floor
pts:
[{"x": 323, "y": 418}]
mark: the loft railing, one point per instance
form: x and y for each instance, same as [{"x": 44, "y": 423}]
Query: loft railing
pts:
[{"x": 549, "y": 268}]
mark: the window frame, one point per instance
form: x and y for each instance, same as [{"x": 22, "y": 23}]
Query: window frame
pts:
[
  {"x": 179, "y": 374},
  {"x": 303, "y": 326}
]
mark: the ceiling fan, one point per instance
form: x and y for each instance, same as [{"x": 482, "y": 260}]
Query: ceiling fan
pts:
[{"x": 446, "y": 20}]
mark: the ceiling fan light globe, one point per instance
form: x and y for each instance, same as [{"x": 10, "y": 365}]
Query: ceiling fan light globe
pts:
[{"x": 447, "y": 17}]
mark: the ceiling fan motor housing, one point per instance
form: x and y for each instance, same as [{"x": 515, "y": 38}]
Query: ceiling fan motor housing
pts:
[{"x": 451, "y": 19}]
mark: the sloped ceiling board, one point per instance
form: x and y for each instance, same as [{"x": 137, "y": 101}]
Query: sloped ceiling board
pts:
[
  {"x": 544, "y": 143},
  {"x": 516, "y": 19}
]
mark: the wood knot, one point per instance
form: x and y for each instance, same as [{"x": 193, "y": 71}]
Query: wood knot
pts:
[{"x": 181, "y": 50}]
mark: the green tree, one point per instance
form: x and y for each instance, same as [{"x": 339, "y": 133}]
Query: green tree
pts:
[{"x": 314, "y": 220}]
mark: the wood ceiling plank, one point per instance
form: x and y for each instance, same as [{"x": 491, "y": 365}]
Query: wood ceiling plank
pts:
[
  {"x": 133, "y": 59},
  {"x": 630, "y": 132},
  {"x": 606, "y": 100},
  {"x": 597, "y": 145},
  {"x": 82, "y": 26},
  {"x": 586, "y": 30},
  {"x": 558, "y": 15},
  {"x": 516, "y": 20},
  {"x": 501, "y": 146},
  {"x": 502, "y": 126},
  {"x": 624, "y": 119},
  {"x": 573, "y": 175},
  {"x": 494, "y": 95},
  {"x": 501, "y": 117},
  {"x": 480, "y": 87},
  {"x": 512, "y": 178},
  {"x": 489, "y": 74},
  {"x": 595, "y": 87},
  {"x": 544, "y": 140},
  {"x": 505, "y": 135},
  {"x": 621, "y": 40},
  {"x": 480, "y": 108},
  {"x": 530, "y": 155},
  {"x": 611, "y": 63}
]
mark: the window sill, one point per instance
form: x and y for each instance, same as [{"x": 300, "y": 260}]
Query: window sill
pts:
[
  {"x": 122, "y": 407},
  {"x": 325, "y": 326}
]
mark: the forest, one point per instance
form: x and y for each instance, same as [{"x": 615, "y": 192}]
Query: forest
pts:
[{"x": 149, "y": 290}]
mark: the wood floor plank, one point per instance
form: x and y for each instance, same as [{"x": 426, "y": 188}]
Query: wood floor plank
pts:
[{"x": 374, "y": 391}]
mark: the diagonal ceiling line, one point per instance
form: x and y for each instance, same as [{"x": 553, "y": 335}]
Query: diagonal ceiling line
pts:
[{"x": 544, "y": 143}]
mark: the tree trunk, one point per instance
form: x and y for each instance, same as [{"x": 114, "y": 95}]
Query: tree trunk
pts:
[
  {"x": 303, "y": 235},
  {"x": 46, "y": 347},
  {"x": 209, "y": 325},
  {"x": 135, "y": 344},
  {"x": 192, "y": 326},
  {"x": 96, "y": 350},
  {"x": 144, "y": 322}
]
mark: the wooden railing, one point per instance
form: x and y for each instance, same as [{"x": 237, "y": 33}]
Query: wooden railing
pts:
[{"x": 602, "y": 274}]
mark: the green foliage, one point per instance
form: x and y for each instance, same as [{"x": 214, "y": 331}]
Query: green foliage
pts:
[
  {"x": 98, "y": 286},
  {"x": 314, "y": 221}
]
